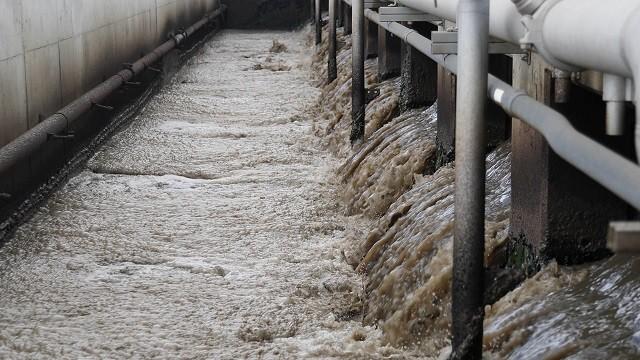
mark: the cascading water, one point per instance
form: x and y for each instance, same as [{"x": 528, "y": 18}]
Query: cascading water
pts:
[{"x": 561, "y": 312}]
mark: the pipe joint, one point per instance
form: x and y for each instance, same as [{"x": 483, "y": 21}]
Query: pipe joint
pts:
[
  {"x": 614, "y": 94},
  {"x": 527, "y": 7},
  {"x": 533, "y": 37}
]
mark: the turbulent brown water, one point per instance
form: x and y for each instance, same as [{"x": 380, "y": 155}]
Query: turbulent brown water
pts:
[
  {"x": 584, "y": 312},
  {"x": 209, "y": 229},
  {"x": 233, "y": 219}
]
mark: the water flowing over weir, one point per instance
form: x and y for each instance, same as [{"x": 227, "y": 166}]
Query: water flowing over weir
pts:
[
  {"x": 407, "y": 254},
  {"x": 233, "y": 219}
]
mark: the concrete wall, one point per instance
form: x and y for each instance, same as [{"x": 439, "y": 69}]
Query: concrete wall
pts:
[
  {"x": 283, "y": 14},
  {"x": 55, "y": 50}
]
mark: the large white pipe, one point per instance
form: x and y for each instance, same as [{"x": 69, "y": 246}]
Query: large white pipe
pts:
[
  {"x": 585, "y": 34},
  {"x": 504, "y": 21},
  {"x": 570, "y": 34},
  {"x": 591, "y": 34}
]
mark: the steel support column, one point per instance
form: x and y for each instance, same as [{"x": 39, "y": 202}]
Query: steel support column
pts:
[
  {"x": 358, "y": 101},
  {"x": 332, "y": 71},
  {"x": 468, "y": 244}
]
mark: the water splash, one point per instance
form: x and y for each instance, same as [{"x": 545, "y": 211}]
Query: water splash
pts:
[{"x": 562, "y": 312}]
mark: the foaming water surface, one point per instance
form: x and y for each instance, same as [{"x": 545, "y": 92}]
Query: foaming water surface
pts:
[
  {"x": 207, "y": 229},
  {"x": 233, "y": 219}
]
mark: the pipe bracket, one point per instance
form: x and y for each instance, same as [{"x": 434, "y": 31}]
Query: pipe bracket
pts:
[
  {"x": 533, "y": 24},
  {"x": 102, "y": 107},
  {"x": 70, "y": 135}
]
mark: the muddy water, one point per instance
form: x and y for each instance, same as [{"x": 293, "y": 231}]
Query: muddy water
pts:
[
  {"x": 209, "y": 229},
  {"x": 587, "y": 312},
  {"x": 227, "y": 222}
]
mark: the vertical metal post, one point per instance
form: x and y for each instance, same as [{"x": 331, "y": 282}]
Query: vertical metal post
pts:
[
  {"x": 358, "y": 103},
  {"x": 340, "y": 13},
  {"x": 318, "y": 21},
  {"x": 332, "y": 72},
  {"x": 468, "y": 245}
]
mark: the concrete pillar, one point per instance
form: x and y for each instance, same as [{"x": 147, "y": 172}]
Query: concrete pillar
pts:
[
  {"x": 346, "y": 18},
  {"x": 419, "y": 74},
  {"x": 358, "y": 96},
  {"x": 371, "y": 41},
  {"x": 445, "y": 138},
  {"x": 557, "y": 211},
  {"x": 388, "y": 54},
  {"x": 498, "y": 122}
]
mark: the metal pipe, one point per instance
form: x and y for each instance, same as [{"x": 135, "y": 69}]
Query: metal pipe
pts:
[
  {"x": 318, "y": 22},
  {"x": 603, "y": 165},
  {"x": 504, "y": 21},
  {"x": 358, "y": 101},
  {"x": 614, "y": 93},
  {"x": 569, "y": 32},
  {"x": 561, "y": 86},
  {"x": 468, "y": 243},
  {"x": 30, "y": 141},
  {"x": 557, "y": 30},
  {"x": 332, "y": 71}
]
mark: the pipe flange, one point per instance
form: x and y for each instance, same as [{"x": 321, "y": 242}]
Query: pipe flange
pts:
[{"x": 533, "y": 39}]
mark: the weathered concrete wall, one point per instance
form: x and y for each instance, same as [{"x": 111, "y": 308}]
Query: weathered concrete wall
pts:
[
  {"x": 557, "y": 211},
  {"x": 53, "y": 51},
  {"x": 283, "y": 14}
]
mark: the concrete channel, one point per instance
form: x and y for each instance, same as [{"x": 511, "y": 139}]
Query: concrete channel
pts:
[{"x": 285, "y": 179}]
